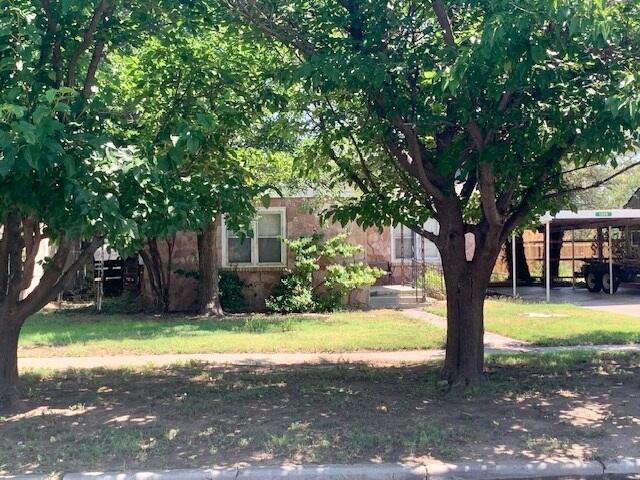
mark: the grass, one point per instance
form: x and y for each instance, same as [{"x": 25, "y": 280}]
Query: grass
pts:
[
  {"x": 556, "y": 324},
  {"x": 76, "y": 334},
  {"x": 196, "y": 415}
]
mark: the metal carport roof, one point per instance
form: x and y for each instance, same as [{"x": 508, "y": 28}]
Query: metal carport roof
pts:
[{"x": 587, "y": 219}]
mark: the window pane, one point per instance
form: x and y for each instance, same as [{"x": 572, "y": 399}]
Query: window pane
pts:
[
  {"x": 239, "y": 251},
  {"x": 269, "y": 250},
  {"x": 404, "y": 248},
  {"x": 269, "y": 225}
]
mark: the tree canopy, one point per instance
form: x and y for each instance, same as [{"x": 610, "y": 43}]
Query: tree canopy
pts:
[{"x": 466, "y": 112}]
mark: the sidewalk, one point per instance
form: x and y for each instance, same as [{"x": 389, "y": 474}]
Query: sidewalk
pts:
[
  {"x": 551, "y": 468},
  {"x": 382, "y": 359}
]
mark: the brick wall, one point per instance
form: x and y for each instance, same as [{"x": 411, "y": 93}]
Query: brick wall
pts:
[{"x": 301, "y": 219}]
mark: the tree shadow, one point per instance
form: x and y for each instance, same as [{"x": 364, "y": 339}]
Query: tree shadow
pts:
[
  {"x": 530, "y": 407},
  {"x": 59, "y": 329}
]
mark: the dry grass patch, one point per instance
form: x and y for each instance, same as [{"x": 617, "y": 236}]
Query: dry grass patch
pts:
[{"x": 196, "y": 415}]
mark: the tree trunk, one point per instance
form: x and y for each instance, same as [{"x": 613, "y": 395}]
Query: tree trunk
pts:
[
  {"x": 522, "y": 267},
  {"x": 159, "y": 270},
  {"x": 464, "y": 363},
  {"x": 9, "y": 335},
  {"x": 466, "y": 281},
  {"x": 557, "y": 238},
  {"x": 210, "y": 304}
]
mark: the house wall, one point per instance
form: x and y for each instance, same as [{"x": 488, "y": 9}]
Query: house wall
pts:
[{"x": 301, "y": 220}]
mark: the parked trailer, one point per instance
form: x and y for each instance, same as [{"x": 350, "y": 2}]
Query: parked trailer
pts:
[
  {"x": 622, "y": 261},
  {"x": 597, "y": 275}
]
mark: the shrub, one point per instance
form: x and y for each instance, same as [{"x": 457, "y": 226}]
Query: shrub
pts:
[
  {"x": 300, "y": 291},
  {"x": 291, "y": 295},
  {"x": 231, "y": 296}
]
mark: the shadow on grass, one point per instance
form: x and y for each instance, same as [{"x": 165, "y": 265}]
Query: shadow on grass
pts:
[
  {"x": 194, "y": 415},
  {"x": 594, "y": 337}
]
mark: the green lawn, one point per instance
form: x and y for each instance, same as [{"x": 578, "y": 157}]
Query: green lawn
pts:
[
  {"x": 76, "y": 334},
  {"x": 556, "y": 324}
]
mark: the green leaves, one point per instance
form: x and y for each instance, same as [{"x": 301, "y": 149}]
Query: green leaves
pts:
[
  {"x": 529, "y": 86},
  {"x": 308, "y": 286}
]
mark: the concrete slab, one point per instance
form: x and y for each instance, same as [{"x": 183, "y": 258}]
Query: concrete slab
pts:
[
  {"x": 552, "y": 468},
  {"x": 189, "y": 474},
  {"x": 24, "y": 477},
  {"x": 626, "y": 301},
  {"x": 335, "y": 472}
]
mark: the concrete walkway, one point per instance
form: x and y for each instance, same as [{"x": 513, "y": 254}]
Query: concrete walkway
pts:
[
  {"x": 382, "y": 359},
  {"x": 626, "y": 301},
  {"x": 491, "y": 340}
]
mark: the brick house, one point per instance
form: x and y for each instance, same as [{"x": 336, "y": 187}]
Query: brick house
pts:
[{"x": 260, "y": 261}]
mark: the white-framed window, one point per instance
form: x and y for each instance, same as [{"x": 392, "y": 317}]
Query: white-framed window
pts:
[
  {"x": 405, "y": 243},
  {"x": 264, "y": 248},
  {"x": 635, "y": 238}
]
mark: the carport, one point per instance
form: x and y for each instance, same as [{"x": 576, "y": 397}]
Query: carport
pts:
[{"x": 567, "y": 220}]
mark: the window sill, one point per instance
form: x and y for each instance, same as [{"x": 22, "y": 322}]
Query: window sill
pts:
[{"x": 253, "y": 268}]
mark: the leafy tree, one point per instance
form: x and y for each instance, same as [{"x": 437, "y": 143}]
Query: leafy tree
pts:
[
  {"x": 184, "y": 99},
  {"x": 56, "y": 180},
  {"x": 466, "y": 112}
]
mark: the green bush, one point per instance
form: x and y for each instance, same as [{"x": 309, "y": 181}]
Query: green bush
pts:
[
  {"x": 291, "y": 295},
  {"x": 231, "y": 296},
  {"x": 126, "y": 304},
  {"x": 299, "y": 290}
]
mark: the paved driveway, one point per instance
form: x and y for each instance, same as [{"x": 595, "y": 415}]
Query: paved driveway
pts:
[{"x": 626, "y": 300}]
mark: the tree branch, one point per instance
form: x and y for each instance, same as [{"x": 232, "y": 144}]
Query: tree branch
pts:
[
  {"x": 487, "y": 187},
  {"x": 16, "y": 245},
  {"x": 87, "y": 39},
  {"x": 247, "y": 10},
  {"x": 445, "y": 23},
  {"x": 56, "y": 276},
  {"x": 32, "y": 238},
  {"x": 597, "y": 184},
  {"x": 89, "y": 80}
]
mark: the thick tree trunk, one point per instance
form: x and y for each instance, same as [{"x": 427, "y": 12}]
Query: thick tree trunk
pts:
[
  {"x": 9, "y": 333},
  {"x": 464, "y": 363},
  {"x": 466, "y": 279},
  {"x": 14, "y": 311},
  {"x": 208, "y": 264}
]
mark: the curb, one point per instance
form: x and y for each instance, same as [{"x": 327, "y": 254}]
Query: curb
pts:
[
  {"x": 623, "y": 466},
  {"x": 24, "y": 477},
  {"x": 435, "y": 471},
  {"x": 189, "y": 474},
  {"x": 514, "y": 470},
  {"x": 336, "y": 472}
]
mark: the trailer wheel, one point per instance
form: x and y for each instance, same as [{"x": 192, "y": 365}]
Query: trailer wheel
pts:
[
  {"x": 605, "y": 283},
  {"x": 593, "y": 281}
]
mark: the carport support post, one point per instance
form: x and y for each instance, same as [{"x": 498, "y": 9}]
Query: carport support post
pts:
[
  {"x": 514, "y": 268},
  {"x": 547, "y": 260},
  {"x": 610, "y": 261},
  {"x": 573, "y": 259}
]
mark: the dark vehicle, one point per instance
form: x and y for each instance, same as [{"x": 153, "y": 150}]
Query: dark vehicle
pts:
[
  {"x": 625, "y": 264},
  {"x": 597, "y": 275}
]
